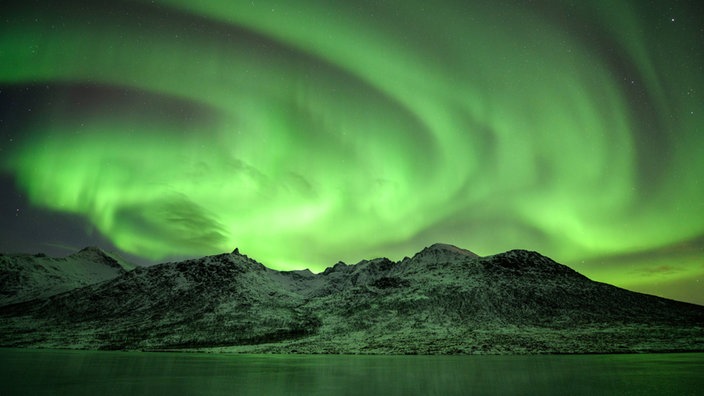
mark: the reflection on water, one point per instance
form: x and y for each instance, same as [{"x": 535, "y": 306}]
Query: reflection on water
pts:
[{"x": 36, "y": 372}]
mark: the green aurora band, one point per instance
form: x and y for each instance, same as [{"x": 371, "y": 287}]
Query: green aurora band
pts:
[{"x": 307, "y": 132}]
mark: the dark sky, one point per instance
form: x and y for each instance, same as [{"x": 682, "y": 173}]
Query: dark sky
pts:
[{"x": 314, "y": 131}]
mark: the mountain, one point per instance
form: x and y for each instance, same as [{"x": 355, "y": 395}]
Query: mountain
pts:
[
  {"x": 443, "y": 300},
  {"x": 25, "y": 277}
]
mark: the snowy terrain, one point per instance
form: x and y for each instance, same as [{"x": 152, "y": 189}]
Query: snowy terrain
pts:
[
  {"x": 24, "y": 277},
  {"x": 443, "y": 300}
]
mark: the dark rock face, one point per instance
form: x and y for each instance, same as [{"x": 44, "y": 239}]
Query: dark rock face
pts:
[{"x": 443, "y": 300}]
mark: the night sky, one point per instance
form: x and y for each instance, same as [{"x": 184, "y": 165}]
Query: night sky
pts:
[{"x": 308, "y": 132}]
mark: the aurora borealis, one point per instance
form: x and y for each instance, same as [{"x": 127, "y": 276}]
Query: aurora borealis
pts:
[{"x": 309, "y": 132}]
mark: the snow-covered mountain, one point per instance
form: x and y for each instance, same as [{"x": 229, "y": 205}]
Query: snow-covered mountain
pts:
[
  {"x": 442, "y": 300},
  {"x": 24, "y": 277}
]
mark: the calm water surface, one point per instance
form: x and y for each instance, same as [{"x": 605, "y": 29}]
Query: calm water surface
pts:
[{"x": 52, "y": 372}]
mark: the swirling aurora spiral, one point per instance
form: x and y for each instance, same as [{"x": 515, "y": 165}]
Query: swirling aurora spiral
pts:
[{"x": 308, "y": 132}]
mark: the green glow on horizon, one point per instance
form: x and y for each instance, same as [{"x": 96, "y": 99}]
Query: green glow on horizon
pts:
[{"x": 347, "y": 131}]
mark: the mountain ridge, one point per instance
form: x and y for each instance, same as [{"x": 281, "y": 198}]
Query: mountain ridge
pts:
[
  {"x": 24, "y": 277},
  {"x": 444, "y": 300}
]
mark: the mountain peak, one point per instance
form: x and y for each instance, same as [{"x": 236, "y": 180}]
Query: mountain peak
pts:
[
  {"x": 94, "y": 253},
  {"x": 28, "y": 277},
  {"x": 445, "y": 248},
  {"x": 91, "y": 250},
  {"x": 237, "y": 252},
  {"x": 528, "y": 260}
]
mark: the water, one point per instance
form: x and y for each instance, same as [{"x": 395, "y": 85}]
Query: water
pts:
[{"x": 55, "y": 372}]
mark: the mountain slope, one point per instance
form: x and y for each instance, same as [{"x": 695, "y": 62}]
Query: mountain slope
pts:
[
  {"x": 442, "y": 300},
  {"x": 24, "y": 277}
]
